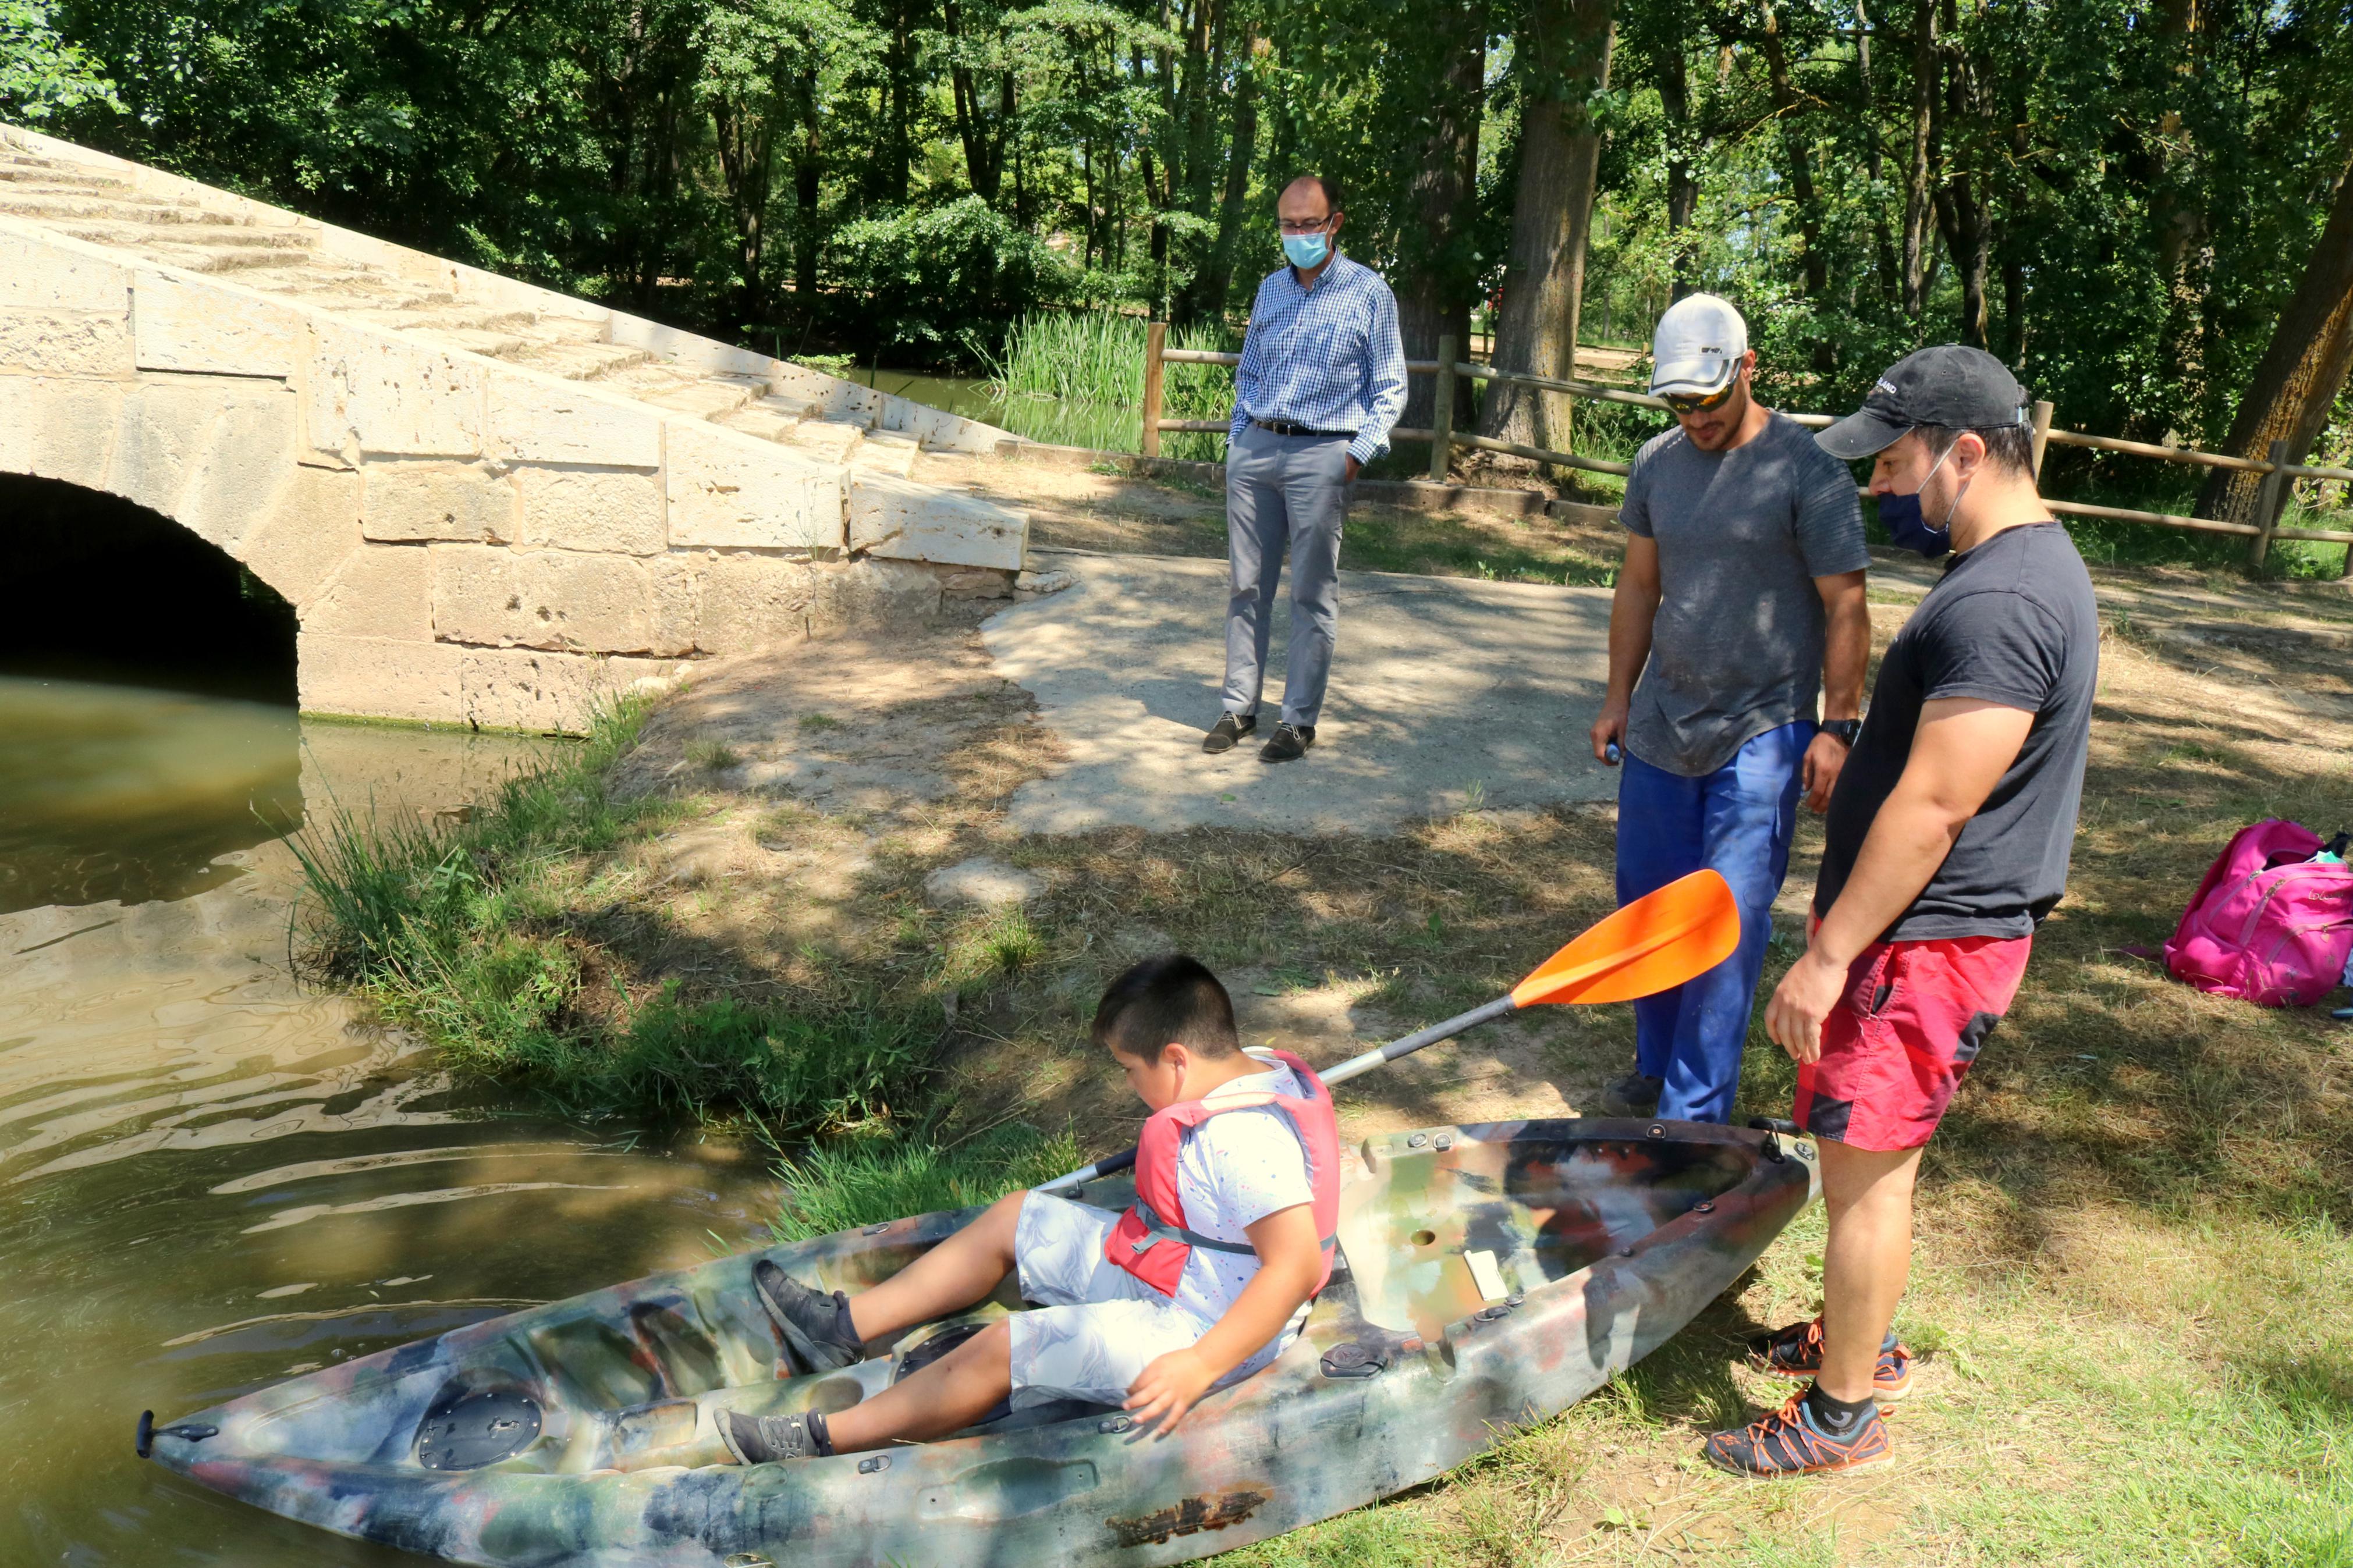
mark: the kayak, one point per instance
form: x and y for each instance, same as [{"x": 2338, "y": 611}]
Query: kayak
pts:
[{"x": 1488, "y": 1276}]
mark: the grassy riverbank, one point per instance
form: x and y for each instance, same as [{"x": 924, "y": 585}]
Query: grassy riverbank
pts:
[{"x": 482, "y": 936}]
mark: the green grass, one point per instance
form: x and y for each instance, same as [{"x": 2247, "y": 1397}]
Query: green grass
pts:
[
  {"x": 715, "y": 756},
  {"x": 855, "y": 1180},
  {"x": 471, "y": 936},
  {"x": 1076, "y": 378}
]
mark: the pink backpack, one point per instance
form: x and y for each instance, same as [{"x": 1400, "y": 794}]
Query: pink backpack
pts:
[{"x": 2270, "y": 924}]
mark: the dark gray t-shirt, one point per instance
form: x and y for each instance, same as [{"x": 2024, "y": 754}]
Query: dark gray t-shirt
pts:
[
  {"x": 1736, "y": 649},
  {"x": 2012, "y": 621}
]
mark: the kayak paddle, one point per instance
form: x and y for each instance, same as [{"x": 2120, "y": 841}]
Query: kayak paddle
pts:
[{"x": 1660, "y": 940}]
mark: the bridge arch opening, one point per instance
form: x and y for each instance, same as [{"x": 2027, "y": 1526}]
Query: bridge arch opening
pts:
[
  {"x": 147, "y": 690},
  {"x": 108, "y": 590}
]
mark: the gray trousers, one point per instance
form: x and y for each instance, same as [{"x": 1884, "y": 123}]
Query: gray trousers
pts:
[{"x": 1283, "y": 494}]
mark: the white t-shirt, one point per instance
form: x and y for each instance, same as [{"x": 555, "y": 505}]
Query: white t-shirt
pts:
[{"x": 1233, "y": 1170}]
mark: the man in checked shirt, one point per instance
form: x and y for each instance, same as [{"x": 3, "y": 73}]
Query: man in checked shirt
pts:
[{"x": 1322, "y": 380}]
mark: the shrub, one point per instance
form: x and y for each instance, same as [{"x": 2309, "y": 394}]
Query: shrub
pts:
[{"x": 942, "y": 284}]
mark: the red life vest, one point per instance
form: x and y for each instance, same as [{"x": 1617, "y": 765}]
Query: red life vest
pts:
[{"x": 1151, "y": 1240}]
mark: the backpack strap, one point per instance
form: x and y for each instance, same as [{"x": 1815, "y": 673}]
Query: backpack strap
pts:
[{"x": 1157, "y": 1230}]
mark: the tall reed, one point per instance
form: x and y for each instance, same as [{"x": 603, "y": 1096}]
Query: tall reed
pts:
[{"x": 1077, "y": 378}]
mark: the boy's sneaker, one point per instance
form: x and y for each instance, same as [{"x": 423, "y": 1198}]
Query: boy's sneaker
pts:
[
  {"x": 765, "y": 1439},
  {"x": 815, "y": 1325},
  {"x": 1229, "y": 728},
  {"x": 1290, "y": 743},
  {"x": 1797, "y": 1352},
  {"x": 1636, "y": 1094},
  {"x": 1788, "y": 1443}
]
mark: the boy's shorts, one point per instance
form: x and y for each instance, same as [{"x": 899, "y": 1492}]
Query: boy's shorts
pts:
[
  {"x": 1096, "y": 1327},
  {"x": 1912, "y": 1019}
]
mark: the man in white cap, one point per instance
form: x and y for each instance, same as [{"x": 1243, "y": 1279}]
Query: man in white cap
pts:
[{"x": 1740, "y": 603}]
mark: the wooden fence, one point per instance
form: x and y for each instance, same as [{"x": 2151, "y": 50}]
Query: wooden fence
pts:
[{"x": 2270, "y": 503}]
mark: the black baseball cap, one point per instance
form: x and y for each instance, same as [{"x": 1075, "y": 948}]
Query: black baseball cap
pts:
[{"x": 1951, "y": 386}]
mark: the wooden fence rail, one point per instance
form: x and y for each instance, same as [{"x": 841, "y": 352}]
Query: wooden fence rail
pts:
[{"x": 2270, "y": 503}]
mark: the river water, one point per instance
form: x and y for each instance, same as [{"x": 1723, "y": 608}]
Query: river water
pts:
[{"x": 211, "y": 1176}]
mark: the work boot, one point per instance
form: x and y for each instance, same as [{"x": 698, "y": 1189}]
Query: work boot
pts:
[
  {"x": 1230, "y": 728},
  {"x": 1290, "y": 743},
  {"x": 1792, "y": 1441},
  {"x": 765, "y": 1439},
  {"x": 1633, "y": 1095},
  {"x": 1797, "y": 1352},
  {"x": 815, "y": 1325}
]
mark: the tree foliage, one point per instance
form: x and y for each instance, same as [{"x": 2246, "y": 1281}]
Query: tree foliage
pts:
[{"x": 2121, "y": 197}]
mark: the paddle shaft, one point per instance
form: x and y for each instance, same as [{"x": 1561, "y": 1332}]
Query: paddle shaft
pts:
[{"x": 1379, "y": 1056}]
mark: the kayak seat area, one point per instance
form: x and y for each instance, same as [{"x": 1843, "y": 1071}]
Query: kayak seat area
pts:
[{"x": 1442, "y": 1232}]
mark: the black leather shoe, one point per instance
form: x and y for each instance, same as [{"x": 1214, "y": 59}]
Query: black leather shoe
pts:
[
  {"x": 1230, "y": 728},
  {"x": 1290, "y": 743},
  {"x": 1633, "y": 1095}
]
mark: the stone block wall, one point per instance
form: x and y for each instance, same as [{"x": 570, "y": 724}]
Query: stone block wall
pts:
[{"x": 462, "y": 540}]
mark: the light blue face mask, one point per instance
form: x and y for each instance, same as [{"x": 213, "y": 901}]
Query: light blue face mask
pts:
[{"x": 1306, "y": 250}]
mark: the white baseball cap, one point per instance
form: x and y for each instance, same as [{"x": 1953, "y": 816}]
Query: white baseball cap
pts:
[{"x": 1698, "y": 345}]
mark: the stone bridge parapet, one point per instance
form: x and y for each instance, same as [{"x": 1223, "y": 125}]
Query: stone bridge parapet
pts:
[{"x": 465, "y": 536}]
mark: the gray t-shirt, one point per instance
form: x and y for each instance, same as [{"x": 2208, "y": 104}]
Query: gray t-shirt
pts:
[{"x": 1736, "y": 649}]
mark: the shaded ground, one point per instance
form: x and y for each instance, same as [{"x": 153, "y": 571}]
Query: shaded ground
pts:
[{"x": 2135, "y": 1287}]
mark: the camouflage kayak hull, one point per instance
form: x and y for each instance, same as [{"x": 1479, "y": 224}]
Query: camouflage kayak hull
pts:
[{"x": 1494, "y": 1274}]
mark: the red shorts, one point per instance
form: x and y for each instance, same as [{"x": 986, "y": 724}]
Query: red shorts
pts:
[{"x": 1912, "y": 1019}]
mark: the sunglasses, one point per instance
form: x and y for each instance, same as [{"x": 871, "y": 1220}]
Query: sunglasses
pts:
[{"x": 1691, "y": 402}]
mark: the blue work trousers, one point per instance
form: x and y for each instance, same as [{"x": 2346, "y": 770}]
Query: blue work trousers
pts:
[{"x": 1738, "y": 819}]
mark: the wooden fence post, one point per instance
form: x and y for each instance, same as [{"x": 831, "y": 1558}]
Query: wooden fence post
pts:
[
  {"x": 2041, "y": 435},
  {"x": 1442, "y": 412},
  {"x": 1156, "y": 343},
  {"x": 2268, "y": 505}
]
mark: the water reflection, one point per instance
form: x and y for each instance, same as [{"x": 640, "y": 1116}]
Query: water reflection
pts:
[
  {"x": 114, "y": 792},
  {"x": 212, "y": 1177}
]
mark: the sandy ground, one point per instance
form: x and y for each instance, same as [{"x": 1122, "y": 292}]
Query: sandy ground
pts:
[{"x": 1446, "y": 692}]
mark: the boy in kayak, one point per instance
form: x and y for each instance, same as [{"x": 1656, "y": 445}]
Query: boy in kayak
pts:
[{"x": 1205, "y": 1280}]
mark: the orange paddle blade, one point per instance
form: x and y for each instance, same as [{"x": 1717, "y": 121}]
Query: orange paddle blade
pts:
[{"x": 1662, "y": 939}]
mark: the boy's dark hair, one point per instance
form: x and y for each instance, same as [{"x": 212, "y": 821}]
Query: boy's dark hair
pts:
[
  {"x": 2010, "y": 448},
  {"x": 1172, "y": 997}
]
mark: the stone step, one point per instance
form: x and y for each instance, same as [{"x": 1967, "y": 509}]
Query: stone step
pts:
[
  {"x": 206, "y": 259},
  {"x": 577, "y": 360},
  {"x": 209, "y": 236},
  {"x": 707, "y": 398},
  {"x": 761, "y": 423},
  {"x": 492, "y": 345},
  {"x": 50, "y": 204},
  {"x": 60, "y": 179},
  {"x": 429, "y": 317},
  {"x": 823, "y": 437},
  {"x": 876, "y": 454}
]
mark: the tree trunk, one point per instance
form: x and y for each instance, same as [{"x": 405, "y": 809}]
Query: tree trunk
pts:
[
  {"x": 743, "y": 139},
  {"x": 808, "y": 180},
  {"x": 1673, "y": 72},
  {"x": 1563, "y": 45},
  {"x": 2177, "y": 212},
  {"x": 1440, "y": 275},
  {"x": 1798, "y": 156},
  {"x": 2296, "y": 382},
  {"x": 1917, "y": 213},
  {"x": 1217, "y": 279},
  {"x": 1875, "y": 163}
]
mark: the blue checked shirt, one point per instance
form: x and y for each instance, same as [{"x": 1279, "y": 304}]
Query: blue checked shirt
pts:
[{"x": 1327, "y": 357}]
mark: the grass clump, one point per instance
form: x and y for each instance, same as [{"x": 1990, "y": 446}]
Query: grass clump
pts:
[
  {"x": 471, "y": 935},
  {"x": 867, "y": 1180},
  {"x": 1077, "y": 378},
  {"x": 714, "y": 757}
]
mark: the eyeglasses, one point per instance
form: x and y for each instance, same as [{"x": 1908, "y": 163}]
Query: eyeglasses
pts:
[
  {"x": 1304, "y": 226},
  {"x": 1691, "y": 402}
]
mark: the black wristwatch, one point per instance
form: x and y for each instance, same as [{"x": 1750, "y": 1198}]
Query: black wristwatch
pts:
[{"x": 1845, "y": 729}]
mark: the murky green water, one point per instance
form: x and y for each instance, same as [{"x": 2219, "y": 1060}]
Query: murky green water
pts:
[
  {"x": 210, "y": 1177},
  {"x": 1105, "y": 426}
]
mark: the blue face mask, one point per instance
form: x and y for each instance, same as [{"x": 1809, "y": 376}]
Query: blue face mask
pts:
[
  {"x": 1908, "y": 529},
  {"x": 1306, "y": 250}
]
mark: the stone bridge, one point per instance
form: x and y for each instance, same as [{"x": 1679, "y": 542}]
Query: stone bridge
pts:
[{"x": 488, "y": 503}]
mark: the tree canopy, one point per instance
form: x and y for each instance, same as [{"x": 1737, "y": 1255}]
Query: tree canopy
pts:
[{"x": 2127, "y": 198}]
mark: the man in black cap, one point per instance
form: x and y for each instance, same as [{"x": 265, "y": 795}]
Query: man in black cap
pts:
[{"x": 1946, "y": 843}]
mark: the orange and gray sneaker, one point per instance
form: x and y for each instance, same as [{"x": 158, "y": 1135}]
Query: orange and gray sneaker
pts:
[
  {"x": 1792, "y": 1442},
  {"x": 1797, "y": 1352}
]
